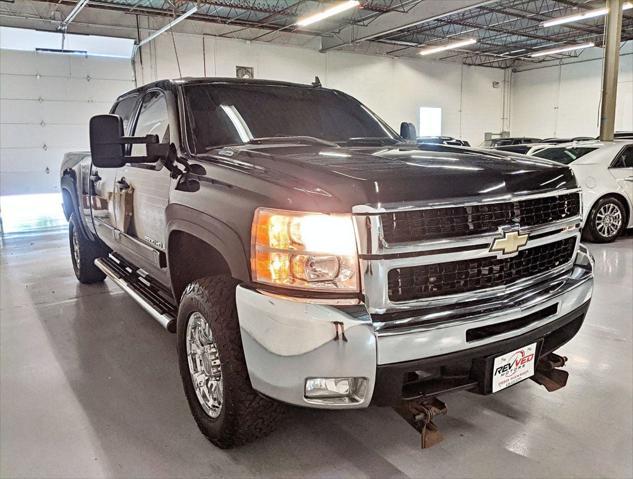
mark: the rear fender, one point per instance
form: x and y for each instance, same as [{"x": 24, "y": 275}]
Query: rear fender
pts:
[{"x": 69, "y": 184}]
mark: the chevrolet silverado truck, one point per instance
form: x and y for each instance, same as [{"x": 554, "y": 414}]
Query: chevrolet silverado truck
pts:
[{"x": 306, "y": 254}]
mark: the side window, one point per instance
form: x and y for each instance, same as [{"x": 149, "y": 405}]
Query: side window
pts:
[
  {"x": 152, "y": 120},
  {"x": 624, "y": 158},
  {"x": 124, "y": 109}
]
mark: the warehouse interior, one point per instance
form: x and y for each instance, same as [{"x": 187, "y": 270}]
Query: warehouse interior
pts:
[{"x": 89, "y": 384}]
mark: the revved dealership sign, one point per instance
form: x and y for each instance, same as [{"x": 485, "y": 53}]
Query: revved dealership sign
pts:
[{"x": 513, "y": 367}]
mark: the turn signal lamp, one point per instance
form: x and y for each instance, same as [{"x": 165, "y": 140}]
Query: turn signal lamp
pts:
[{"x": 309, "y": 251}]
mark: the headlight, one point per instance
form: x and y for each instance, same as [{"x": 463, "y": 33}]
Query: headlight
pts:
[{"x": 309, "y": 251}]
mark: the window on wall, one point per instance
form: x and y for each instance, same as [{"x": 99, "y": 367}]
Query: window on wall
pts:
[
  {"x": 55, "y": 42},
  {"x": 430, "y": 121}
]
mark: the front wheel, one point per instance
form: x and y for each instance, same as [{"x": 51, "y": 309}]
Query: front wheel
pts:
[
  {"x": 606, "y": 221},
  {"x": 213, "y": 369}
]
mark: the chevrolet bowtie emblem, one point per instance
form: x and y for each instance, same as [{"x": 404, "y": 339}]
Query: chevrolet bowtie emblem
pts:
[{"x": 511, "y": 242}]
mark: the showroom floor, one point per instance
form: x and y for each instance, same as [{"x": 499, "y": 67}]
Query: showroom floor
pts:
[{"x": 90, "y": 388}]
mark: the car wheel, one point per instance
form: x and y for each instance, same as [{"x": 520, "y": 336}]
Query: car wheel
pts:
[
  {"x": 83, "y": 252},
  {"x": 213, "y": 369},
  {"x": 606, "y": 221}
]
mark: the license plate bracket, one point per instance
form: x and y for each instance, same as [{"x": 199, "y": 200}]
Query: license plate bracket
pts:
[
  {"x": 483, "y": 371},
  {"x": 513, "y": 367}
]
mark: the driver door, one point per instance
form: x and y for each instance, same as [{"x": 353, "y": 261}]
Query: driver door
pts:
[{"x": 144, "y": 192}]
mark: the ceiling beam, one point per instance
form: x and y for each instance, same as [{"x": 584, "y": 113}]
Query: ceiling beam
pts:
[{"x": 425, "y": 11}]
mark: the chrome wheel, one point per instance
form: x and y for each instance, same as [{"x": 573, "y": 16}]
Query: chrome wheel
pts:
[
  {"x": 609, "y": 220},
  {"x": 204, "y": 365},
  {"x": 76, "y": 255}
]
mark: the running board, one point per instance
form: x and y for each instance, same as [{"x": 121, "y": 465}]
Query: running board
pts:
[{"x": 135, "y": 282}]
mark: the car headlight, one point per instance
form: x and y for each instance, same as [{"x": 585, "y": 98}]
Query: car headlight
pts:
[{"x": 310, "y": 251}]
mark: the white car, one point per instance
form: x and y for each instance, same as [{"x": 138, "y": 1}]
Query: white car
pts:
[
  {"x": 604, "y": 171},
  {"x": 538, "y": 147}
]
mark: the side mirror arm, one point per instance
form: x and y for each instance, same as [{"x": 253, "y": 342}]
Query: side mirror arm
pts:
[
  {"x": 155, "y": 150},
  {"x": 138, "y": 140}
]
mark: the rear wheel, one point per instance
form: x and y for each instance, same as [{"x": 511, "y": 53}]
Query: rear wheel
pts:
[
  {"x": 83, "y": 252},
  {"x": 213, "y": 369},
  {"x": 606, "y": 220}
]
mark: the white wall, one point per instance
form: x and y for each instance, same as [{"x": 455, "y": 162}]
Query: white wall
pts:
[
  {"x": 392, "y": 88},
  {"x": 564, "y": 100},
  {"x": 46, "y": 101}
]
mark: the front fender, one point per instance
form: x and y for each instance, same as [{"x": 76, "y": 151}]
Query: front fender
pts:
[{"x": 212, "y": 231}]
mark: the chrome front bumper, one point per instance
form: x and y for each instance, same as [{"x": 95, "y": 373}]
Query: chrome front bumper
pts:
[{"x": 287, "y": 341}]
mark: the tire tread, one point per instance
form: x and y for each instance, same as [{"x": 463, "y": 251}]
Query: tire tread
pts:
[{"x": 248, "y": 415}]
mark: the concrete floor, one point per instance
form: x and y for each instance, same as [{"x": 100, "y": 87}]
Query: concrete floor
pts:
[{"x": 90, "y": 388}]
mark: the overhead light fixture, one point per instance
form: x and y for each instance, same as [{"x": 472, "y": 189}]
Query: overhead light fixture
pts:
[
  {"x": 583, "y": 16},
  {"x": 73, "y": 13},
  {"x": 169, "y": 25},
  {"x": 553, "y": 51},
  {"x": 83, "y": 53},
  {"x": 335, "y": 10},
  {"x": 449, "y": 46},
  {"x": 514, "y": 51}
]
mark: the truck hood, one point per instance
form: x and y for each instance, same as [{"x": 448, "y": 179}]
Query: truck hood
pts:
[{"x": 379, "y": 175}]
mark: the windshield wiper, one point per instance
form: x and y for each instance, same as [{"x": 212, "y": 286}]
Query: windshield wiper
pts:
[
  {"x": 370, "y": 141},
  {"x": 310, "y": 140}
]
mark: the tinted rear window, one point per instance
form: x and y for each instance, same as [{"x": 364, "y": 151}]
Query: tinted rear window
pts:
[{"x": 564, "y": 155}]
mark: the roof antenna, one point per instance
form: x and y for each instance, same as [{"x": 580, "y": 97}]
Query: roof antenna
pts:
[{"x": 316, "y": 83}]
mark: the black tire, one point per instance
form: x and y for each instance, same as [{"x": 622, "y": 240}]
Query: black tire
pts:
[
  {"x": 83, "y": 253},
  {"x": 245, "y": 415},
  {"x": 594, "y": 231}
]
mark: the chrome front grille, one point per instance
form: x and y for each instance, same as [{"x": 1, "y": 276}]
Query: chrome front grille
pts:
[
  {"x": 442, "y": 279},
  {"x": 469, "y": 220},
  {"x": 438, "y": 271}
]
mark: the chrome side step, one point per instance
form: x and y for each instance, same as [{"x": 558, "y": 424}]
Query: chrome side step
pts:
[{"x": 134, "y": 282}]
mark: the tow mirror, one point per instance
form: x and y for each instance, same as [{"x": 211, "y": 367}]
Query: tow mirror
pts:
[
  {"x": 407, "y": 131},
  {"x": 107, "y": 144},
  {"x": 106, "y": 148}
]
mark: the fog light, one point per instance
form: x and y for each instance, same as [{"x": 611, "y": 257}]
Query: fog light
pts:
[{"x": 336, "y": 390}]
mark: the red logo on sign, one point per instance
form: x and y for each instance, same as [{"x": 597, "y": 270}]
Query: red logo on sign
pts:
[{"x": 517, "y": 362}]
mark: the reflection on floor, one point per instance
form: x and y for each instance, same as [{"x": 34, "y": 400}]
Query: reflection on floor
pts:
[
  {"x": 37, "y": 212},
  {"x": 89, "y": 388}
]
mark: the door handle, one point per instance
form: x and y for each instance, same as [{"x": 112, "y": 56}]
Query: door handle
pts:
[
  {"x": 123, "y": 185},
  {"x": 628, "y": 178}
]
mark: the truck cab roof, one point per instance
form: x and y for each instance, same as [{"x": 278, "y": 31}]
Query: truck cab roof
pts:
[{"x": 171, "y": 84}]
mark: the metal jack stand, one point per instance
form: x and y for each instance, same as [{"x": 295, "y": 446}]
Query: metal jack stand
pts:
[
  {"x": 420, "y": 413},
  {"x": 547, "y": 373}
]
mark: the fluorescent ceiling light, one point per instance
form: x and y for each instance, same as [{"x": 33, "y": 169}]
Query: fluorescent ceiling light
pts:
[
  {"x": 449, "y": 46},
  {"x": 335, "y": 10},
  {"x": 583, "y": 16},
  {"x": 62, "y": 52},
  {"x": 514, "y": 51},
  {"x": 169, "y": 25},
  {"x": 73, "y": 13},
  {"x": 553, "y": 51}
]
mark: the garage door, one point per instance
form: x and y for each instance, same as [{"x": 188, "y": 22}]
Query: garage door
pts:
[{"x": 46, "y": 100}]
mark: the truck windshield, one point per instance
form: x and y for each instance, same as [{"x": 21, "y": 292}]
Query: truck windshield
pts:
[
  {"x": 222, "y": 114},
  {"x": 564, "y": 155}
]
